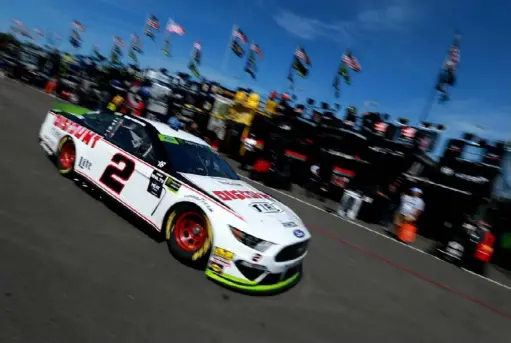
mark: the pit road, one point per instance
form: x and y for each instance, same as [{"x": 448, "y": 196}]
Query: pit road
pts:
[{"x": 72, "y": 270}]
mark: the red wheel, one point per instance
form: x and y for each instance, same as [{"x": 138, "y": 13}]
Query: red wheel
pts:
[
  {"x": 188, "y": 233},
  {"x": 66, "y": 156}
]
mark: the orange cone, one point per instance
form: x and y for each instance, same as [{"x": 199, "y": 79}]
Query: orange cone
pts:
[
  {"x": 407, "y": 232},
  {"x": 50, "y": 86}
]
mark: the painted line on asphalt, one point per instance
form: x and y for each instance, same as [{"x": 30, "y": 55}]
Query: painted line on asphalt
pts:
[
  {"x": 414, "y": 273},
  {"x": 322, "y": 210}
]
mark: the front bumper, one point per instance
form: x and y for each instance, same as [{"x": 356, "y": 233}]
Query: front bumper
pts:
[
  {"x": 269, "y": 283},
  {"x": 238, "y": 266}
]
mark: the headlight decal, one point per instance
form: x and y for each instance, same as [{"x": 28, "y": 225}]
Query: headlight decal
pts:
[{"x": 250, "y": 241}]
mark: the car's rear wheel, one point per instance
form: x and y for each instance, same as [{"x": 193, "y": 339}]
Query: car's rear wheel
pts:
[
  {"x": 66, "y": 156},
  {"x": 188, "y": 233}
]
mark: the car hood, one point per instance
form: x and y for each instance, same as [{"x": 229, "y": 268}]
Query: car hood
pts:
[{"x": 282, "y": 226}]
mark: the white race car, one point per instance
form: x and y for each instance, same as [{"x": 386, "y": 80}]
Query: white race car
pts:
[{"x": 180, "y": 186}]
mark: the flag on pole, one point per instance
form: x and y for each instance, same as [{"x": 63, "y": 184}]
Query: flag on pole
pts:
[
  {"x": 302, "y": 55},
  {"x": 166, "y": 45},
  {"x": 18, "y": 23},
  {"x": 197, "y": 52},
  {"x": 195, "y": 59},
  {"x": 118, "y": 41},
  {"x": 149, "y": 33},
  {"x": 135, "y": 39},
  {"x": 301, "y": 62},
  {"x": 238, "y": 34},
  {"x": 133, "y": 56},
  {"x": 39, "y": 32},
  {"x": 447, "y": 77},
  {"x": 238, "y": 38},
  {"x": 75, "y": 39},
  {"x": 172, "y": 27},
  {"x": 347, "y": 61},
  {"x": 136, "y": 43},
  {"x": 256, "y": 49},
  {"x": 237, "y": 48},
  {"x": 153, "y": 22},
  {"x": 78, "y": 26},
  {"x": 351, "y": 62},
  {"x": 20, "y": 28},
  {"x": 251, "y": 64}
]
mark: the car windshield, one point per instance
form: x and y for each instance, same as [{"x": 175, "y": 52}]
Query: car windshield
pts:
[{"x": 192, "y": 158}]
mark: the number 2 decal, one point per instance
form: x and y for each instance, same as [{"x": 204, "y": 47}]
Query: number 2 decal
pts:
[{"x": 120, "y": 166}]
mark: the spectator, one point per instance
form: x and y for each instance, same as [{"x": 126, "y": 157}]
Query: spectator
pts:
[
  {"x": 250, "y": 144},
  {"x": 389, "y": 202},
  {"x": 410, "y": 208}
]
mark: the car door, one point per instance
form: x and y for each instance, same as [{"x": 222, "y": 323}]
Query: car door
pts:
[
  {"x": 92, "y": 157},
  {"x": 131, "y": 174}
]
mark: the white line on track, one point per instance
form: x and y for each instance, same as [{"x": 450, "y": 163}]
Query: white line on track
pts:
[{"x": 322, "y": 210}]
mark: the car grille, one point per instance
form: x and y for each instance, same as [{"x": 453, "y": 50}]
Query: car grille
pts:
[
  {"x": 270, "y": 279},
  {"x": 248, "y": 271},
  {"x": 292, "y": 252}
]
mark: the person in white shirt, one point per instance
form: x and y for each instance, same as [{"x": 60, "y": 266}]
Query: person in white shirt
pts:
[
  {"x": 410, "y": 208},
  {"x": 250, "y": 145}
]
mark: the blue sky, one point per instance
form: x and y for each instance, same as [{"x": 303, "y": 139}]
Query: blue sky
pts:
[{"x": 400, "y": 44}]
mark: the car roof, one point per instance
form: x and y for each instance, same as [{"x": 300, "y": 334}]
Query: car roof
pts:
[{"x": 165, "y": 129}]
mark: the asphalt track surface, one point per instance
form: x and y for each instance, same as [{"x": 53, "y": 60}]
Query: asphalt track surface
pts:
[{"x": 72, "y": 270}]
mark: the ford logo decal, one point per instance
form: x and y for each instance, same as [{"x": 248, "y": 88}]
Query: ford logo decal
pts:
[{"x": 299, "y": 233}]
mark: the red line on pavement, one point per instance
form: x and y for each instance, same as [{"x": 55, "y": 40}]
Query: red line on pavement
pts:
[{"x": 410, "y": 271}]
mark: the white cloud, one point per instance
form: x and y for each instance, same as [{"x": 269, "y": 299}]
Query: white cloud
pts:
[
  {"x": 393, "y": 17},
  {"x": 307, "y": 28}
]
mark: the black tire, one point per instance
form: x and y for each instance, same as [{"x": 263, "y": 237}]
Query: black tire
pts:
[
  {"x": 65, "y": 144},
  {"x": 174, "y": 230}
]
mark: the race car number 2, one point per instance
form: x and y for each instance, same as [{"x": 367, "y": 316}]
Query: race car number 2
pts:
[{"x": 117, "y": 173}]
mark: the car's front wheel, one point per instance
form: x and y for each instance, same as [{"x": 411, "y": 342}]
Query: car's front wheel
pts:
[
  {"x": 66, "y": 156},
  {"x": 189, "y": 235}
]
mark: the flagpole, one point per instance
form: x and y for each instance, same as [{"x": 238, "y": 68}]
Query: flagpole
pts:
[
  {"x": 242, "y": 75},
  {"x": 168, "y": 36},
  {"x": 291, "y": 69},
  {"x": 226, "y": 56},
  {"x": 338, "y": 77},
  {"x": 431, "y": 99}
]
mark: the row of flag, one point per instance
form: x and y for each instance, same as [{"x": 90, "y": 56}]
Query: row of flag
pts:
[
  {"x": 240, "y": 45},
  {"x": 238, "y": 41},
  {"x": 152, "y": 26}
]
